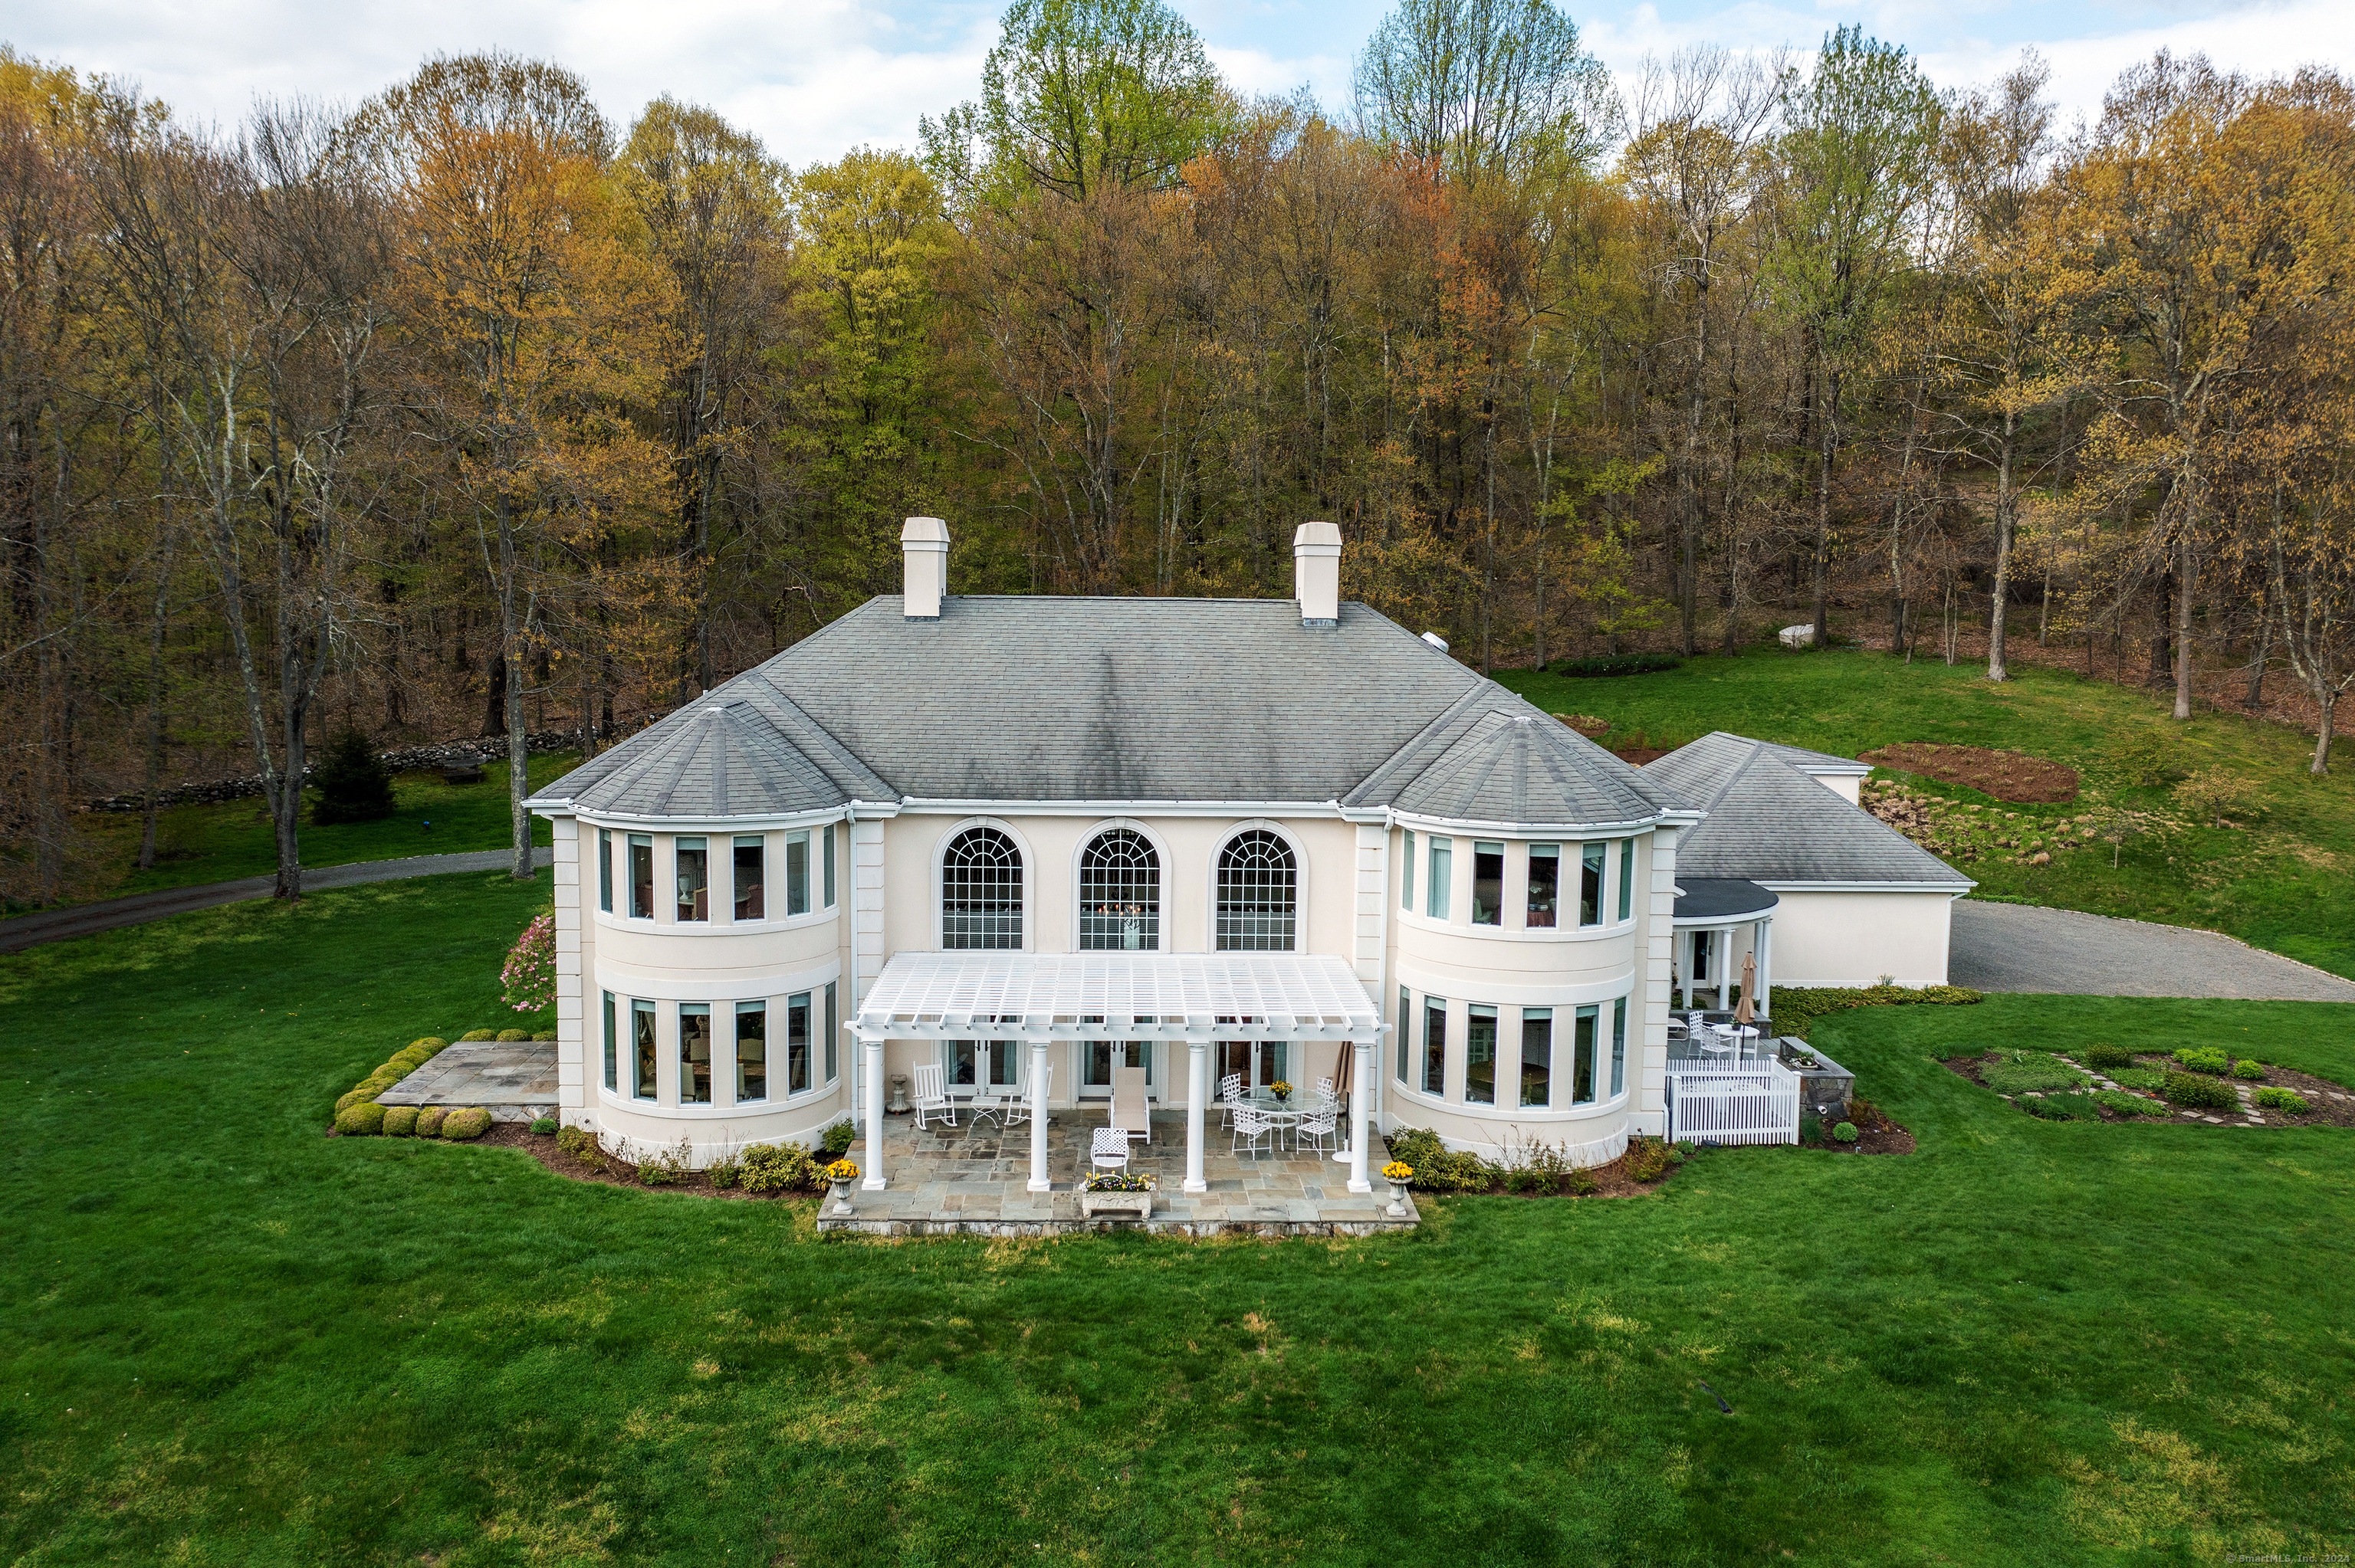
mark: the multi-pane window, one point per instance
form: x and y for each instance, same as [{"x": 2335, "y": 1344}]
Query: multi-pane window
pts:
[
  {"x": 1545, "y": 886},
  {"x": 1626, "y": 878},
  {"x": 695, "y": 1052},
  {"x": 1487, "y": 884},
  {"x": 1406, "y": 875},
  {"x": 693, "y": 868},
  {"x": 797, "y": 1042},
  {"x": 1619, "y": 1045},
  {"x": 1536, "y": 1056},
  {"x": 981, "y": 891},
  {"x": 1259, "y": 886},
  {"x": 1434, "y": 885},
  {"x": 826, "y": 835},
  {"x": 832, "y": 1025},
  {"x": 642, "y": 876},
  {"x": 605, "y": 870},
  {"x": 1479, "y": 1055},
  {"x": 1119, "y": 892},
  {"x": 1582, "y": 1061},
  {"x": 641, "y": 1049},
  {"x": 1590, "y": 883},
  {"x": 752, "y": 1051},
  {"x": 797, "y": 872},
  {"x": 751, "y": 861},
  {"x": 613, "y": 1049},
  {"x": 1405, "y": 1031},
  {"x": 1435, "y": 1045}
]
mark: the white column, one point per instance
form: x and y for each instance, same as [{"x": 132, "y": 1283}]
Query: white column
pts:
[
  {"x": 1038, "y": 1182},
  {"x": 1724, "y": 966},
  {"x": 1647, "y": 1109},
  {"x": 874, "y": 1182},
  {"x": 574, "y": 983},
  {"x": 1766, "y": 941},
  {"x": 1197, "y": 1090},
  {"x": 1360, "y": 1099}
]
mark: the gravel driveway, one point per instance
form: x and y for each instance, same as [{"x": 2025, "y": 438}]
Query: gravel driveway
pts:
[{"x": 2010, "y": 946}]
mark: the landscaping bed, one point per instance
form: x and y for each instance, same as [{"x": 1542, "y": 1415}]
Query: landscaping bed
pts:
[
  {"x": 1876, "y": 1132},
  {"x": 2006, "y": 775},
  {"x": 2195, "y": 1085}
]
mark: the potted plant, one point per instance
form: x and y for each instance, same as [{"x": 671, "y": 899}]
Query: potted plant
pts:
[
  {"x": 1398, "y": 1174},
  {"x": 840, "y": 1175},
  {"x": 1281, "y": 1090},
  {"x": 1118, "y": 1191}
]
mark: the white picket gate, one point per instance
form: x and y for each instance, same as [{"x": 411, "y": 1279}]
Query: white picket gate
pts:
[{"x": 1755, "y": 1102}]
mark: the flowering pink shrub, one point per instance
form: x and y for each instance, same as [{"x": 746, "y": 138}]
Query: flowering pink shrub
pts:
[{"x": 528, "y": 980}]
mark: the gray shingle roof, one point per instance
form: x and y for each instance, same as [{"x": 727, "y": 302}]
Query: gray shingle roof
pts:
[
  {"x": 1038, "y": 698},
  {"x": 1806, "y": 761},
  {"x": 1769, "y": 823}
]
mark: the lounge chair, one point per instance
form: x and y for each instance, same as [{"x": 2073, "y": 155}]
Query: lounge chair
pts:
[{"x": 1129, "y": 1109}]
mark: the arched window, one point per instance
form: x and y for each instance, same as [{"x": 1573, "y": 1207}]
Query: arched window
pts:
[
  {"x": 981, "y": 891},
  {"x": 1258, "y": 887},
  {"x": 1119, "y": 892}
]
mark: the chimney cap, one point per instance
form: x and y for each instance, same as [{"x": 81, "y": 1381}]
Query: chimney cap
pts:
[
  {"x": 1317, "y": 533},
  {"x": 923, "y": 531}
]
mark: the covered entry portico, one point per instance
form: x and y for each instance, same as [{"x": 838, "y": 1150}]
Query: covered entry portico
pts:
[{"x": 1043, "y": 998}]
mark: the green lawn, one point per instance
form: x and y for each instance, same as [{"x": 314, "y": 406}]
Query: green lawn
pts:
[
  {"x": 2286, "y": 882},
  {"x": 232, "y": 839},
  {"x": 225, "y": 1339}
]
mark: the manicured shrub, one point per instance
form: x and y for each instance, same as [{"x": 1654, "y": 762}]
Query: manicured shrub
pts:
[
  {"x": 724, "y": 1171},
  {"x": 543, "y": 1035},
  {"x": 400, "y": 1122},
  {"x": 474, "y": 1034},
  {"x": 2247, "y": 1068},
  {"x": 2149, "y": 1079},
  {"x": 430, "y": 1120},
  {"x": 837, "y": 1137},
  {"x": 1648, "y": 1160},
  {"x": 1845, "y": 1132},
  {"x": 2197, "y": 1091},
  {"x": 354, "y": 1097},
  {"x": 363, "y": 1119},
  {"x": 509, "y": 1036},
  {"x": 460, "y": 1126},
  {"x": 543, "y": 1125},
  {"x": 1437, "y": 1167},
  {"x": 2203, "y": 1059},
  {"x": 2125, "y": 1104},
  {"x": 2023, "y": 1072},
  {"x": 577, "y": 1141},
  {"x": 2280, "y": 1099},
  {"x": 778, "y": 1167},
  {"x": 2106, "y": 1056},
  {"x": 429, "y": 1044}
]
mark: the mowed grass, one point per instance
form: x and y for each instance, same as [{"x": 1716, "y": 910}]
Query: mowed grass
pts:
[
  {"x": 232, "y": 839},
  {"x": 225, "y": 1339},
  {"x": 2285, "y": 880}
]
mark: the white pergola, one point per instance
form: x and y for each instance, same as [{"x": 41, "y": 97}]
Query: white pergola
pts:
[{"x": 1042, "y": 998}]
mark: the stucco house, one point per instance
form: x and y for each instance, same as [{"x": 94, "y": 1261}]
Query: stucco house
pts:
[{"x": 1029, "y": 839}]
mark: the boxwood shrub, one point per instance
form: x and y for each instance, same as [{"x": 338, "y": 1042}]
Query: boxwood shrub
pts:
[
  {"x": 2274, "y": 1098},
  {"x": 2203, "y": 1059},
  {"x": 837, "y": 1137},
  {"x": 777, "y": 1168},
  {"x": 429, "y": 1120},
  {"x": 429, "y": 1043},
  {"x": 400, "y": 1122},
  {"x": 364, "y": 1118},
  {"x": 354, "y": 1097},
  {"x": 2247, "y": 1068},
  {"x": 2197, "y": 1091},
  {"x": 509, "y": 1036},
  {"x": 472, "y": 1035},
  {"x": 462, "y": 1125}
]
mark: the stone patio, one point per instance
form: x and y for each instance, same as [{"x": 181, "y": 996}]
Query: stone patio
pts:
[
  {"x": 514, "y": 1080},
  {"x": 948, "y": 1180}
]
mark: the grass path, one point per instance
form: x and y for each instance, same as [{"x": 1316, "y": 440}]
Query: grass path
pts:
[
  {"x": 225, "y": 1339},
  {"x": 2286, "y": 882}
]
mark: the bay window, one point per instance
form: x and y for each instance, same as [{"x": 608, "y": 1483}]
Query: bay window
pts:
[
  {"x": 752, "y": 1051},
  {"x": 605, "y": 870},
  {"x": 1545, "y": 886},
  {"x": 1487, "y": 884},
  {"x": 797, "y": 872},
  {"x": 832, "y": 1025},
  {"x": 1436, "y": 885},
  {"x": 1435, "y": 1045},
  {"x": 827, "y": 833},
  {"x": 694, "y": 868},
  {"x": 612, "y": 1050},
  {"x": 751, "y": 861},
  {"x": 1537, "y": 1057},
  {"x": 1590, "y": 884},
  {"x": 1406, "y": 874},
  {"x": 695, "y": 1052},
  {"x": 642, "y": 876},
  {"x": 1581, "y": 1060},
  {"x": 1480, "y": 1055},
  {"x": 1626, "y": 878},
  {"x": 641, "y": 1049},
  {"x": 1619, "y": 1047},
  {"x": 797, "y": 1042}
]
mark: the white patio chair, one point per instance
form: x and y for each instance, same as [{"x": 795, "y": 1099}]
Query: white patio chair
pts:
[
  {"x": 1109, "y": 1150},
  {"x": 1230, "y": 1095},
  {"x": 1018, "y": 1111},
  {"x": 1321, "y": 1130},
  {"x": 1714, "y": 1041},
  {"x": 932, "y": 1097},
  {"x": 1129, "y": 1106},
  {"x": 1252, "y": 1129}
]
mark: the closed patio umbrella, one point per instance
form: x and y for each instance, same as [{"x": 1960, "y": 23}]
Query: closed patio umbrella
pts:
[
  {"x": 1748, "y": 1011},
  {"x": 1344, "y": 1074}
]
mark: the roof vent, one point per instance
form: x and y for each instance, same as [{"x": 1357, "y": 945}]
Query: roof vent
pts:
[
  {"x": 1436, "y": 641},
  {"x": 924, "y": 555},
  {"x": 1316, "y": 573}
]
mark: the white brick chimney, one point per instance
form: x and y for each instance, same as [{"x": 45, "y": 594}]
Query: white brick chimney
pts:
[
  {"x": 924, "y": 558},
  {"x": 1316, "y": 573}
]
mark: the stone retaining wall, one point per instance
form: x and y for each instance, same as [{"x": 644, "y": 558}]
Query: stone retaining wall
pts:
[{"x": 402, "y": 759}]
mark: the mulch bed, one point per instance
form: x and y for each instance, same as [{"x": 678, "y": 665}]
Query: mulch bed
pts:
[
  {"x": 2323, "y": 1108},
  {"x": 605, "y": 1171},
  {"x": 2005, "y": 775},
  {"x": 1875, "y": 1133}
]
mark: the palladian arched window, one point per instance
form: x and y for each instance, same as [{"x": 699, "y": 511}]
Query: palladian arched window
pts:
[
  {"x": 1119, "y": 892},
  {"x": 1259, "y": 889},
  {"x": 981, "y": 891}
]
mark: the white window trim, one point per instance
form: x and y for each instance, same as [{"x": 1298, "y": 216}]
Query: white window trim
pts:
[
  {"x": 666, "y": 1102},
  {"x": 1299, "y": 881},
  {"x": 1029, "y": 882},
  {"x": 1451, "y": 1070},
  {"x": 1089, "y": 835},
  {"x": 719, "y": 873}
]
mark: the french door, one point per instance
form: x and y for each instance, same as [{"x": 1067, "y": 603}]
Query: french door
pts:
[
  {"x": 1098, "y": 1057},
  {"x": 1259, "y": 1063},
  {"x": 975, "y": 1067}
]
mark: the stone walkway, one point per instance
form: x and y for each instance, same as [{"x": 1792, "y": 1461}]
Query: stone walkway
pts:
[
  {"x": 947, "y": 1181},
  {"x": 514, "y": 1080},
  {"x": 2014, "y": 947},
  {"x": 137, "y": 908}
]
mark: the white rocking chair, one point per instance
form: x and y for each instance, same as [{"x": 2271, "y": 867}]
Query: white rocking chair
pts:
[
  {"x": 1017, "y": 1101},
  {"x": 932, "y": 1097}
]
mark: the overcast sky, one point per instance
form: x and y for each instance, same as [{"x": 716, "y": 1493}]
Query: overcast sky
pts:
[{"x": 817, "y": 77}]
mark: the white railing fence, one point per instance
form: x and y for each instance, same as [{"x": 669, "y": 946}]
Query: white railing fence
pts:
[{"x": 1757, "y": 1101}]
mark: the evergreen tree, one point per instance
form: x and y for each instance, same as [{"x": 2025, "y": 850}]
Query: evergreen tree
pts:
[{"x": 353, "y": 784}]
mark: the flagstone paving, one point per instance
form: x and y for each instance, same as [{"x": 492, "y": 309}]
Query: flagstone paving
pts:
[
  {"x": 514, "y": 1080},
  {"x": 946, "y": 1181}
]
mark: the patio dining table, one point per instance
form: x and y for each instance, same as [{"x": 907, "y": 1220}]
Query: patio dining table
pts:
[{"x": 1287, "y": 1115}]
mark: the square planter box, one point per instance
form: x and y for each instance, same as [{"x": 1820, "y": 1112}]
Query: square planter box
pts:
[{"x": 1134, "y": 1205}]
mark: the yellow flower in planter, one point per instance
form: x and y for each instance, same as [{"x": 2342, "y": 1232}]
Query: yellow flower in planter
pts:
[
  {"x": 1397, "y": 1170},
  {"x": 842, "y": 1170}
]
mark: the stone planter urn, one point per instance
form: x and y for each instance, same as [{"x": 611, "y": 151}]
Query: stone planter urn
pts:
[
  {"x": 899, "y": 1105},
  {"x": 840, "y": 1200},
  {"x": 1397, "y": 1210}
]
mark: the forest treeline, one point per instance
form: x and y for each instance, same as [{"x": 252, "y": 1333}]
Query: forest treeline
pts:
[{"x": 465, "y": 412}]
